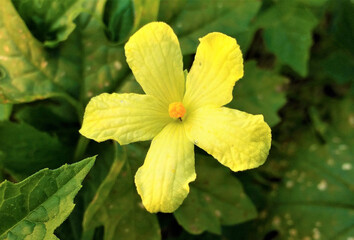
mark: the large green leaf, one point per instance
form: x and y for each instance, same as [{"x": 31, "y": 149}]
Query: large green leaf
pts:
[
  {"x": 27, "y": 150},
  {"x": 51, "y": 21},
  {"x": 117, "y": 199},
  {"x": 315, "y": 3},
  {"x": 214, "y": 201},
  {"x": 28, "y": 71},
  {"x": 200, "y": 17},
  {"x": 35, "y": 207},
  {"x": 339, "y": 66},
  {"x": 315, "y": 198},
  {"x": 343, "y": 24},
  {"x": 83, "y": 66},
  {"x": 72, "y": 228},
  {"x": 288, "y": 34},
  {"x": 260, "y": 92},
  {"x": 170, "y": 9},
  {"x": 124, "y": 17},
  {"x": 102, "y": 65}
]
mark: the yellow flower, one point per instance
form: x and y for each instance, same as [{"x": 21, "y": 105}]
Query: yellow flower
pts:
[{"x": 178, "y": 113}]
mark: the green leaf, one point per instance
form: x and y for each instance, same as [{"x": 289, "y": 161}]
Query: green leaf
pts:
[
  {"x": 170, "y": 9},
  {"x": 260, "y": 92},
  {"x": 49, "y": 116},
  {"x": 28, "y": 71},
  {"x": 27, "y": 150},
  {"x": 200, "y": 17},
  {"x": 117, "y": 199},
  {"x": 289, "y": 37},
  {"x": 339, "y": 66},
  {"x": 102, "y": 64},
  {"x": 32, "y": 72},
  {"x": 343, "y": 24},
  {"x": 315, "y": 198},
  {"x": 124, "y": 17},
  {"x": 51, "y": 21},
  {"x": 314, "y": 3},
  {"x": 72, "y": 228},
  {"x": 5, "y": 111},
  {"x": 35, "y": 207},
  {"x": 215, "y": 201}
]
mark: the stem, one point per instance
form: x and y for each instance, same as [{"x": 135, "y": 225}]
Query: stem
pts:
[
  {"x": 87, "y": 234},
  {"x": 80, "y": 148},
  {"x": 73, "y": 102}
]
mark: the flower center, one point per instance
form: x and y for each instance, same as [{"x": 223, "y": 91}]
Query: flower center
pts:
[{"x": 176, "y": 110}]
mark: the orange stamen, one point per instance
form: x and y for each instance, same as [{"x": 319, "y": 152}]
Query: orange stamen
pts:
[{"x": 176, "y": 110}]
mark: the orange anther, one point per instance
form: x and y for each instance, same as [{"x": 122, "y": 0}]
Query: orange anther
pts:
[{"x": 176, "y": 110}]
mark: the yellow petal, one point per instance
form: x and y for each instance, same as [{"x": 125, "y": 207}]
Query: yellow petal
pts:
[
  {"x": 236, "y": 139},
  {"x": 218, "y": 64},
  {"x": 162, "y": 182},
  {"x": 153, "y": 53},
  {"x": 125, "y": 118}
]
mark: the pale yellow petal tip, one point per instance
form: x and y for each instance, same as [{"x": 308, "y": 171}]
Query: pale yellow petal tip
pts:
[
  {"x": 218, "y": 40},
  {"x": 164, "y": 205},
  {"x": 258, "y": 158},
  {"x": 150, "y": 29}
]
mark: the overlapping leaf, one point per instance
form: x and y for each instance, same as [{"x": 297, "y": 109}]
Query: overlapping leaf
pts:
[
  {"x": 27, "y": 150},
  {"x": 260, "y": 92},
  {"x": 290, "y": 36},
  {"x": 28, "y": 71},
  {"x": 117, "y": 199},
  {"x": 215, "y": 201},
  {"x": 124, "y": 17},
  {"x": 51, "y": 21},
  {"x": 199, "y": 17},
  {"x": 315, "y": 198},
  {"x": 35, "y": 207}
]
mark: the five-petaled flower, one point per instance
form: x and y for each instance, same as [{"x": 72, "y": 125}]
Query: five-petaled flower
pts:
[{"x": 178, "y": 112}]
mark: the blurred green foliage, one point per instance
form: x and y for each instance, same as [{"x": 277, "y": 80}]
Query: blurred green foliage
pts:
[{"x": 299, "y": 71}]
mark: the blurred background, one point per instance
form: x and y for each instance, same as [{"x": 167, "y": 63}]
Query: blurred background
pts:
[{"x": 299, "y": 71}]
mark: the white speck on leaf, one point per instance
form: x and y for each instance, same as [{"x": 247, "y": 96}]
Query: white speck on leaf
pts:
[
  {"x": 289, "y": 184},
  {"x": 322, "y": 185},
  {"x": 117, "y": 65},
  {"x": 316, "y": 234},
  {"x": 293, "y": 232},
  {"x": 217, "y": 213},
  {"x": 330, "y": 161},
  {"x": 343, "y": 147},
  {"x": 346, "y": 166},
  {"x": 276, "y": 221}
]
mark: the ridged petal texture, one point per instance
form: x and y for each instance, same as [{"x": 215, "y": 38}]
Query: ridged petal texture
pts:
[
  {"x": 125, "y": 118},
  {"x": 236, "y": 139},
  {"x": 154, "y": 55},
  {"x": 218, "y": 64},
  {"x": 162, "y": 182}
]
